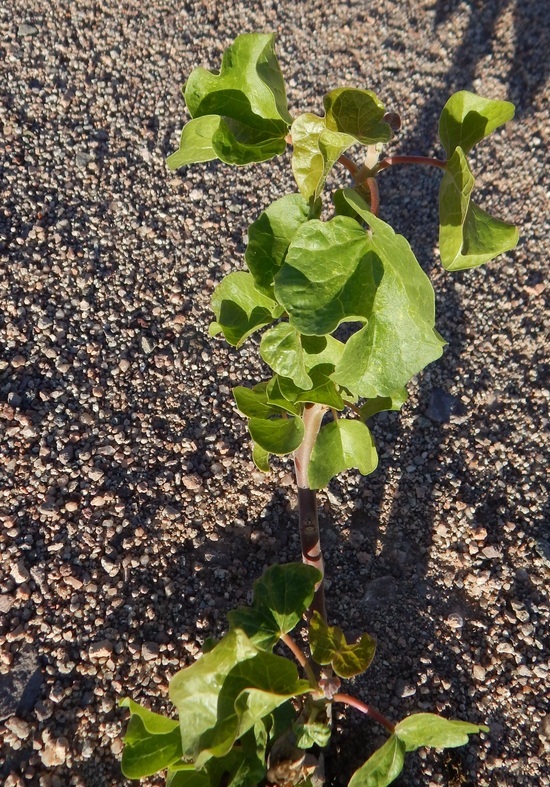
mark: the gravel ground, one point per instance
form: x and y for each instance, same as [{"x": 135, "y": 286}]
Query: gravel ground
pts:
[{"x": 132, "y": 517}]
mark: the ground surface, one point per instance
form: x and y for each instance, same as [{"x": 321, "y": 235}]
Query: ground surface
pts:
[{"x": 132, "y": 518}]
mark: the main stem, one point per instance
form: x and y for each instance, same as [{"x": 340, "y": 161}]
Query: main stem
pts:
[{"x": 307, "y": 504}]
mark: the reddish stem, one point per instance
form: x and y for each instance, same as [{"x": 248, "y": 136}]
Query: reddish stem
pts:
[
  {"x": 350, "y": 165},
  {"x": 390, "y": 161},
  {"x": 300, "y": 657},
  {"x": 374, "y": 195},
  {"x": 347, "y": 699}
]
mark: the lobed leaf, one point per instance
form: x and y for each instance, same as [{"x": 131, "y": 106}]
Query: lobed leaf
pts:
[
  {"x": 240, "y": 309},
  {"x": 357, "y": 112},
  {"x": 468, "y": 236},
  {"x": 341, "y": 445},
  {"x": 329, "y": 646},
  {"x": 382, "y": 767},
  {"x": 245, "y": 103},
  {"x": 195, "y": 690},
  {"x": 269, "y": 238},
  {"x": 152, "y": 742},
  {"x": 281, "y": 596},
  {"x": 466, "y": 119},
  {"x": 399, "y": 339},
  {"x": 428, "y": 729},
  {"x": 328, "y": 276}
]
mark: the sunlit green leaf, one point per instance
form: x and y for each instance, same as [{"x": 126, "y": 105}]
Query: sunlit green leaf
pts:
[
  {"x": 196, "y": 142},
  {"x": 281, "y": 349},
  {"x": 281, "y": 596},
  {"x": 151, "y": 743},
  {"x": 251, "y": 691},
  {"x": 329, "y": 646},
  {"x": 357, "y": 112},
  {"x": 315, "y": 150},
  {"x": 195, "y": 690},
  {"x": 399, "y": 339},
  {"x": 279, "y": 436},
  {"x": 328, "y": 277},
  {"x": 467, "y": 118},
  {"x": 341, "y": 445},
  {"x": 247, "y": 98},
  {"x": 382, "y": 767},
  {"x": 240, "y": 309},
  {"x": 428, "y": 729},
  {"x": 269, "y": 237},
  {"x": 468, "y": 236}
]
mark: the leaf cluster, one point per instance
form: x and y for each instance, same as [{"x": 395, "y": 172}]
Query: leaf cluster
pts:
[
  {"x": 346, "y": 313},
  {"x": 244, "y": 711}
]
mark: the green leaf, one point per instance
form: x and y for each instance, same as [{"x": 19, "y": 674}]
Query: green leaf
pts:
[
  {"x": 342, "y": 206},
  {"x": 253, "y": 402},
  {"x": 195, "y": 690},
  {"x": 468, "y": 236},
  {"x": 399, "y": 339},
  {"x": 466, "y": 119},
  {"x": 251, "y": 691},
  {"x": 315, "y": 150},
  {"x": 281, "y": 349},
  {"x": 260, "y": 458},
  {"x": 280, "y": 436},
  {"x": 240, "y": 309},
  {"x": 357, "y": 112},
  {"x": 248, "y": 100},
  {"x": 269, "y": 237},
  {"x": 276, "y": 397},
  {"x": 308, "y": 735},
  {"x": 322, "y": 391},
  {"x": 328, "y": 276},
  {"x": 341, "y": 445},
  {"x": 383, "y": 767},
  {"x": 329, "y": 646},
  {"x": 189, "y": 777},
  {"x": 428, "y": 729},
  {"x": 281, "y": 596},
  {"x": 243, "y": 766},
  {"x": 152, "y": 742},
  {"x": 381, "y": 403},
  {"x": 227, "y": 692},
  {"x": 196, "y": 142}
]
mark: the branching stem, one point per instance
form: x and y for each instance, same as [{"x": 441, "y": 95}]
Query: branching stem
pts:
[{"x": 347, "y": 699}]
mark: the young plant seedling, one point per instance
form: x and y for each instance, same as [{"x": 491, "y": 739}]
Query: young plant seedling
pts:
[{"x": 246, "y": 716}]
